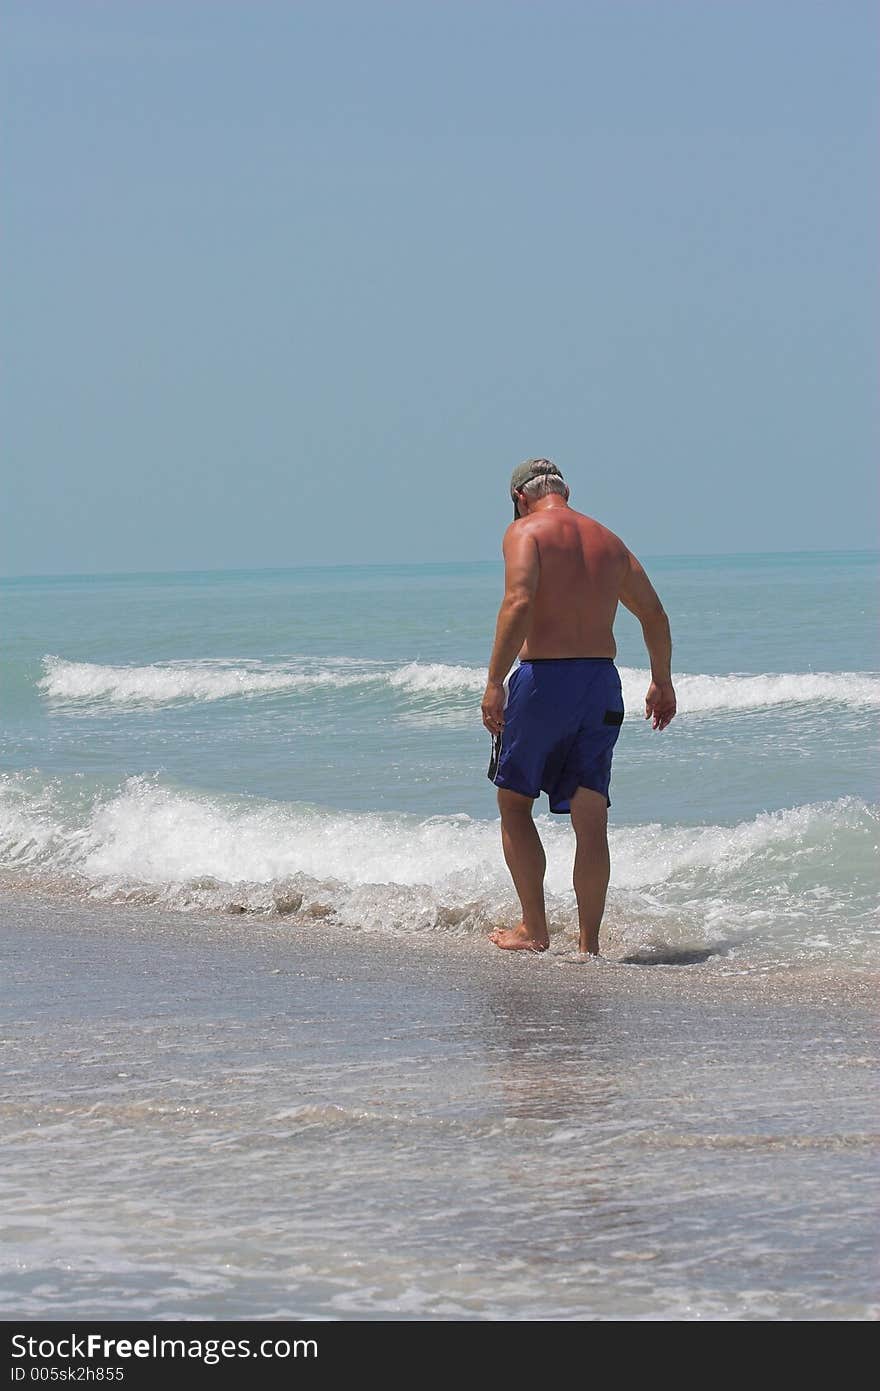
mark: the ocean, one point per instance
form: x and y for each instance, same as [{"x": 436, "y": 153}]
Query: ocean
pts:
[
  {"x": 309, "y": 742},
  {"x": 261, "y": 1061}
]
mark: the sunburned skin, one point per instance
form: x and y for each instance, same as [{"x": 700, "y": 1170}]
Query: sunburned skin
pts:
[
  {"x": 565, "y": 574},
  {"x": 581, "y": 570}
]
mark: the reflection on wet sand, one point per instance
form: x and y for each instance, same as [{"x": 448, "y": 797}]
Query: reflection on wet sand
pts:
[{"x": 550, "y": 1058}]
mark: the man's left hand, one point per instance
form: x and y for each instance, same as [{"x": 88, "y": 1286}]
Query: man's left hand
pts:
[{"x": 493, "y": 707}]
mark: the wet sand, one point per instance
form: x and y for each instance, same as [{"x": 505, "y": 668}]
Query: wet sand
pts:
[{"x": 235, "y": 1116}]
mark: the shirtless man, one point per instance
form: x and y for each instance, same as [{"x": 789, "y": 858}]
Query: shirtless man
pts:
[{"x": 564, "y": 576}]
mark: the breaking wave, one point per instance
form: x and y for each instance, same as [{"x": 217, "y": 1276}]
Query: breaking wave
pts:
[
  {"x": 796, "y": 883},
  {"x": 86, "y": 683}
]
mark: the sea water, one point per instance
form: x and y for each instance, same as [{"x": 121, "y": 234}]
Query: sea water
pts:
[
  {"x": 309, "y": 741},
  {"x": 240, "y": 1117},
  {"x": 260, "y": 1060}
]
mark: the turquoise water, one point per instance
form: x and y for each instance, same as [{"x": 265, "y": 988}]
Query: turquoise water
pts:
[{"x": 309, "y": 741}]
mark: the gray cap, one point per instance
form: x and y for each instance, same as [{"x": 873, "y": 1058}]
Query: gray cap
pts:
[{"x": 524, "y": 473}]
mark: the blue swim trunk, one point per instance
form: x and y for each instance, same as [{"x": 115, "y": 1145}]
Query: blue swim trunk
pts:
[{"x": 561, "y": 722}]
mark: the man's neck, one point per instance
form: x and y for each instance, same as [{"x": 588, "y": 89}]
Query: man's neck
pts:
[{"x": 544, "y": 504}]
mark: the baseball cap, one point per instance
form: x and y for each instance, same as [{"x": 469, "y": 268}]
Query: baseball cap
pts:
[{"x": 524, "y": 473}]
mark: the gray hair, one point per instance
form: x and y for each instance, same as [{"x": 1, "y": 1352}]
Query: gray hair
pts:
[{"x": 542, "y": 485}]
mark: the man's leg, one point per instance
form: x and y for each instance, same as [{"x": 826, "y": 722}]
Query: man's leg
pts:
[
  {"x": 592, "y": 865},
  {"x": 526, "y": 861}
]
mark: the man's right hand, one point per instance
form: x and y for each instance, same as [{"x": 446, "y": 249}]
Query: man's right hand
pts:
[
  {"x": 660, "y": 703},
  {"x": 492, "y": 706}
]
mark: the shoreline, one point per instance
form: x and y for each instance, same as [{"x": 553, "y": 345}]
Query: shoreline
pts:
[
  {"x": 848, "y": 983},
  {"x": 214, "y": 1116}
]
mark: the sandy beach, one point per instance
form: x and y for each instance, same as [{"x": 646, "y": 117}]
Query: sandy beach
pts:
[{"x": 219, "y": 1116}]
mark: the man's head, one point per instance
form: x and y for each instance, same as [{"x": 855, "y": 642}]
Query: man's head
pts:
[{"x": 532, "y": 480}]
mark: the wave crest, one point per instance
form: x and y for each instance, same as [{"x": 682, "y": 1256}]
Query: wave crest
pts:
[
  {"x": 82, "y": 683},
  {"x": 799, "y": 879}
]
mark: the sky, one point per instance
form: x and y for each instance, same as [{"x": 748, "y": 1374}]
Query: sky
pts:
[{"x": 300, "y": 283}]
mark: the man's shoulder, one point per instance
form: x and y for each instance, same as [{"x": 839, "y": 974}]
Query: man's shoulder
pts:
[
  {"x": 599, "y": 530},
  {"x": 520, "y": 530}
]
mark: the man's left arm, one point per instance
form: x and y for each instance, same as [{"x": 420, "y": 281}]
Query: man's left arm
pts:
[{"x": 521, "y": 573}]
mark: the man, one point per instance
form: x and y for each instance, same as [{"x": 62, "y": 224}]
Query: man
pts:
[{"x": 564, "y": 576}]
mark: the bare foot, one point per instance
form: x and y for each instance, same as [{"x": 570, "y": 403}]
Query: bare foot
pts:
[{"x": 518, "y": 939}]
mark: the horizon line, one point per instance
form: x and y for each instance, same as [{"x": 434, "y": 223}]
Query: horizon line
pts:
[{"x": 409, "y": 564}]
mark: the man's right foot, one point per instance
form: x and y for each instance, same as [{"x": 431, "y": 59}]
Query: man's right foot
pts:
[{"x": 519, "y": 939}]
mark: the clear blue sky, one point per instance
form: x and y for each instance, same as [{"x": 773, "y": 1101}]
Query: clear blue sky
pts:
[{"x": 293, "y": 283}]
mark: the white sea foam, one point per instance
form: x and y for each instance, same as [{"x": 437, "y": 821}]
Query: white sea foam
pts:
[
  {"x": 78, "y": 683},
  {"x": 436, "y": 678},
  {"x": 741, "y": 692},
  {"x": 800, "y": 880},
  {"x": 163, "y": 683}
]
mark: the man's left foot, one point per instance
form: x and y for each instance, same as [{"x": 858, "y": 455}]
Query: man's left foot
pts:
[{"x": 518, "y": 939}]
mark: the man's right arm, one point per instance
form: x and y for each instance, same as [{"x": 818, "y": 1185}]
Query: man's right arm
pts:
[{"x": 640, "y": 597}]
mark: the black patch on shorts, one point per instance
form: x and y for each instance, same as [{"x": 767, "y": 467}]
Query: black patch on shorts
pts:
[
  {"x": 613, "y": 717},
  {"x": 493, "y": 761}
]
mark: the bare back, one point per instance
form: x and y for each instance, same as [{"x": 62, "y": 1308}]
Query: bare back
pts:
[{"x": 583, "y": 566}]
